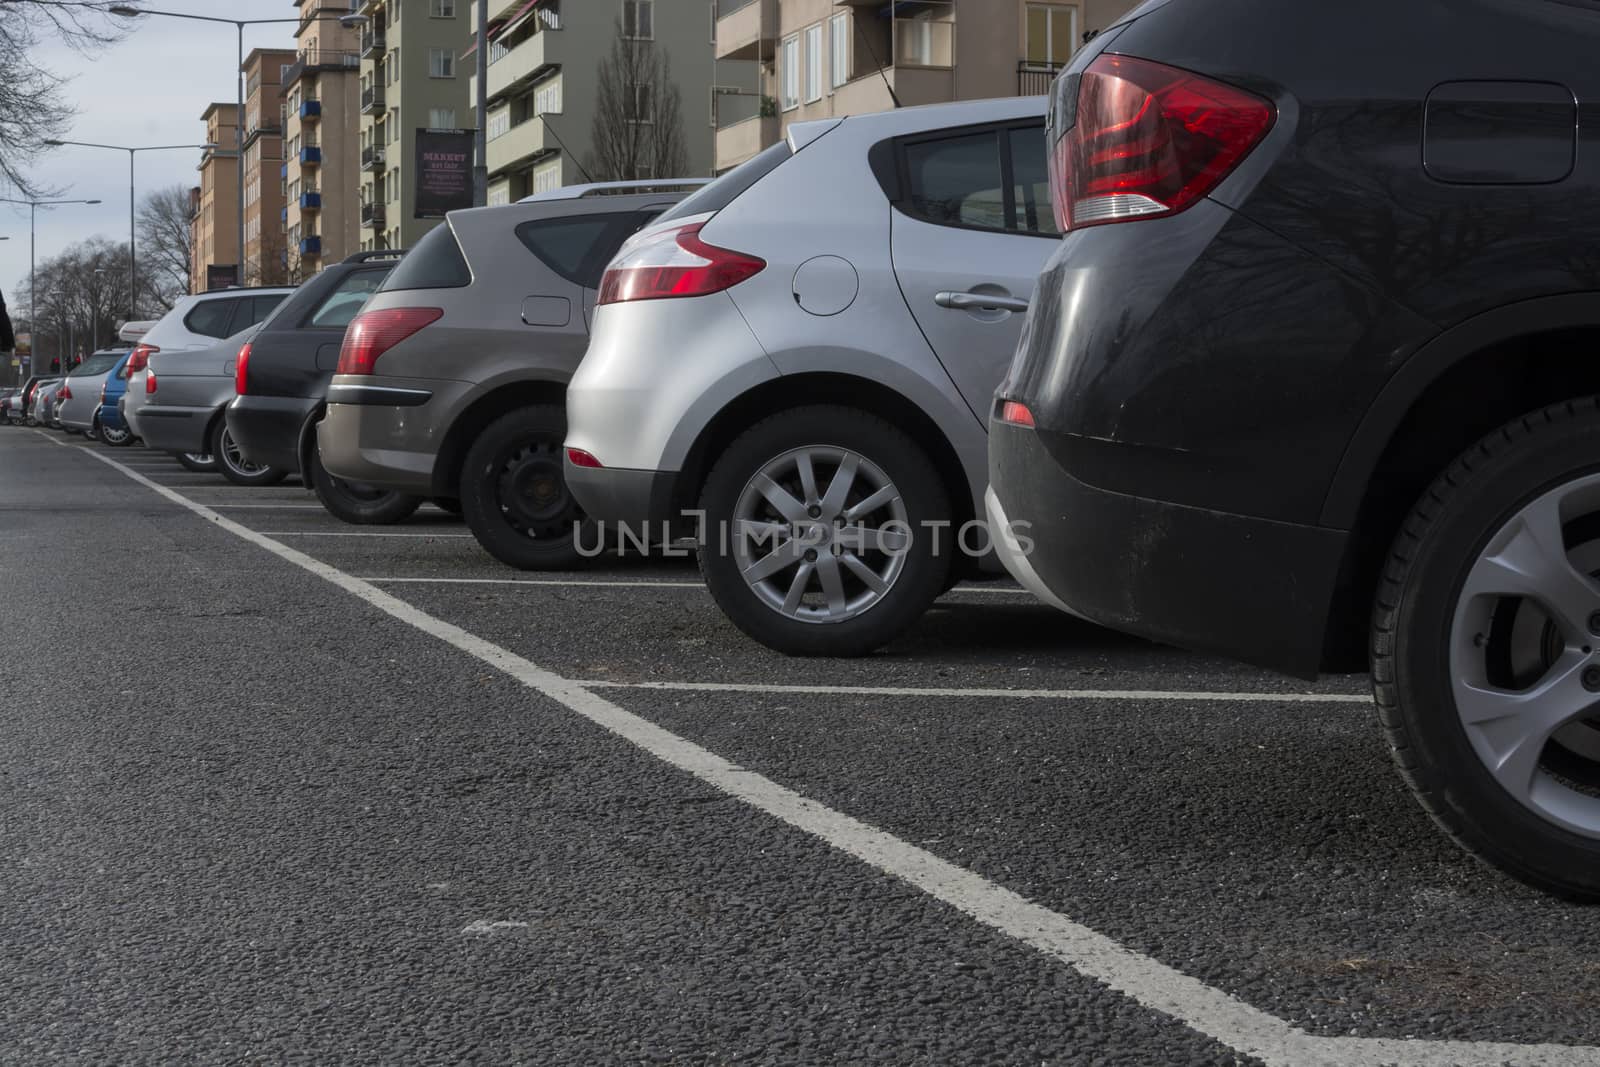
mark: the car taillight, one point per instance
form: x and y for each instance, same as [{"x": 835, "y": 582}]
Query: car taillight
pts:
[
  {"x": 241, "y": 370},
  {"x": 675, "y": 263},
  {"x": 1149, "y": 140},
  {"x": 64, "y": 393},
  {"x": 150, "y": 383},
  {"x": 139, "y": 358},
  {"x": 1016, "y": 414},
  {"x": 375, "y": 332},
  {"x": 579, "y": 458},
  {"x": 102, "y": 392}
]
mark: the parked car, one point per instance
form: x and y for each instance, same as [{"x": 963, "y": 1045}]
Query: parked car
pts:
[
  {"x": 1320, "y": 384},
  {"x": 42, "y": 401},
  {"x": 281, "y": 382},
  {"x": 108, "y": 425},
  {"x": 7, "y": 401},
  {"x": 80, "y": 391},
  {"x": 195, "y": 322},
  {"x": 805, "y": 350},
  {"x": 450, "y": 382}
]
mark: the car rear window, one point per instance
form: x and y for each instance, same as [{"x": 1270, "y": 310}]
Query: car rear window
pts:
[
  {"x": 435, "y": 263},
  {"x": 579, "y": 247},
  {"x": 99, "y": 363},
  {"x": 209, "y": 318},
  {"x": 732, "y": 185},
  {"x": 347, "y": 298}
]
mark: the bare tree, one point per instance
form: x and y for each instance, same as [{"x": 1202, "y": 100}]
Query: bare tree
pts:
[
  {"x": 166, "y": 239},
  {"x": 81, "y": 296},
  {"x": 638, "y": 115},
  {"x": 33, "y": 108}
]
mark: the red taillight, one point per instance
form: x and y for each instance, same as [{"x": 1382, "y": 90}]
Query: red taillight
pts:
[
  {"x": 1149, "y": 140},
  {"x": 375, "y": 332},
  {"x": 64, "y": 393},
  {"x": 241, "y": 370},
  {"x": 150, "y": 383},
  {"x": 1016, "y": 414},
  {"x": 674, "y": 263},
  {"x": 579, "y": 458},
  {"x": 139, "y": 358},
  {"x": 102, "y": 392}
]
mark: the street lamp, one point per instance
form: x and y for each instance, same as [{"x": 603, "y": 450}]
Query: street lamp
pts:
[
  {"x": 133, "y": 280},
  {"x": 33, "y": 274},
  {"x": 129, "y": 11}
]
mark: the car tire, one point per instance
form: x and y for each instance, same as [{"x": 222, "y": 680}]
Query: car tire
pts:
[
  {"x": 514, "y": 494},
  {"x": 234, "y": 466},
  {"x": 780, "y": 609},
  {"x": 199, "y": 462},
  {"x": 360, "y": 505},
  {"x": 114, "y": 438},
  {"x": 1485, "y": 654}
]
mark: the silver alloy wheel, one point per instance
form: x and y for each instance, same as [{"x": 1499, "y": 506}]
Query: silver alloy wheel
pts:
[
  {"x": 1525, "y": 656},
  {"x": 234, "y": 458},
  {"x": 197, "y": 457},
  {"x": 819, "y": 555},
  {"x": 114, "y": 437}
]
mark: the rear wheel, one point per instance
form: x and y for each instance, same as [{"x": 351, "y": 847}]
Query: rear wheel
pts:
[
  {"x": 201, "y": 462},
  {"x": 823, "y": 533},
  {"x": 234, "y": 466},
  {"x": 1486, "y": 649},
  {"x": 354, "y": 502},
  {"x": 514, "y": 493},
  {"x": 115, "y": 438}
]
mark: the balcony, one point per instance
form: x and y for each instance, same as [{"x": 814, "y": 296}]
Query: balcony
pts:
[
  {"x": 310, "y": 110},
  {"x": 522, "y": 143},
  {"x": 746, "y": 29},
  {"x": 317, "y": 61},
  {"x": 531, "y": 59},
  {"x": 283, "y": 171},
  {"x": 311, "y": 246},
  {"x": 741, "y": 140},
  {"x": 1035, "y": 79},
  {"x": 310, "y": 202},
  {"x": 372, "y": 216},
  {"x": 311, "y": 156},
  {"x": 372, "y": 100},
  {"x": 371, "y": 42},
  {"x": 283, "y": 214},
  {"x": 913, "y": 85},
  {"x": 372, "y": 157}
]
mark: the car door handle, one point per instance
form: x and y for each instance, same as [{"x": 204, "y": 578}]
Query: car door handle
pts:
[{"x": 979, "y": 302}]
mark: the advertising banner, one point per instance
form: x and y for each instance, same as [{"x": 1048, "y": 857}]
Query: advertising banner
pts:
[{"x": 444, "y": 172}]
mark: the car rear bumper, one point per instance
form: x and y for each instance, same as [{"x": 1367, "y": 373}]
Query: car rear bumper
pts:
[
  {"x": 1250, "y": 588},
  {"x": 268, "y": 429},
  {"x": 387, "y": 433},
  {"x": 627, "y": 498},
  {"x": 175, "y": 429}
]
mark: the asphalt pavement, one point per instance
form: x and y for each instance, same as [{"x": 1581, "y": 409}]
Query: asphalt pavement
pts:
[{"x": 274, "y": 788}]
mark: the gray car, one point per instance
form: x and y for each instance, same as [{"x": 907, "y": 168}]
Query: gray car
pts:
[
  {"x": 81, "y": 397},
  {"x": 450, "y": 382},
  {"x": 803, "y": 354},
  {"x": 182, "y": 402},
  {"x": 42, "y": 402}
]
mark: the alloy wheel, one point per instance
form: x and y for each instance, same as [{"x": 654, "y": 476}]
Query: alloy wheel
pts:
[
  {"x": 820, "y": 534},
  {"x": 235, "y": 459},
  {"x": 114, "y": 437}
]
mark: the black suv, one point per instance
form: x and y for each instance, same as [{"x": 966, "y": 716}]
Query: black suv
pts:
[
  {"x": 282, "y": 379},
  {"x": 1313, "y": 374}
]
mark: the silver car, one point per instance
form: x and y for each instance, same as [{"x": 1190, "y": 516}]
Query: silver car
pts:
[
  {"x": 80, "y": 399},
  {"x": 42, "y": 401},
  {"x": 803, "y": 355}
]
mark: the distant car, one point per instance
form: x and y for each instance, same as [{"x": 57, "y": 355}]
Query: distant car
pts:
[
  {"x": 41, "y": 402},
  {"x": 7, "y": 403},
  {"x": 80, "y": 392},
  {"x": 282, "y": 383},
  {"x": 451, "y": 382},
  {"x": 109, "y": 427},
  {"x": 803, "y": 353}
]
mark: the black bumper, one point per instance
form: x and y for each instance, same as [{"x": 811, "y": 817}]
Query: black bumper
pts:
[
  {"x": 267, "y": 429},
  {"x": 176, "y": 430},
  {"x": 629, "y": 498},
  {"x": 1251, "y": 589}
]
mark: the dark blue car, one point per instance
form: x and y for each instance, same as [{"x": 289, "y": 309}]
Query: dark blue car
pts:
[{"x": 108, "y": 420}]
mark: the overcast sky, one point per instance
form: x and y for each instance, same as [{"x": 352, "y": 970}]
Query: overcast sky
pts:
[{"x": 149, "y": 89}]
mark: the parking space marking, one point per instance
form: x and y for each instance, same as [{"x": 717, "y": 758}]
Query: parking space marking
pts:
[
  {"x": 647, "y": 583},
  {"x": 1143, "y": 979},
  {"x": 348, "y": 533},
  {"x": 1009, "y": 694},
  {"x": 272, "y": 507}
]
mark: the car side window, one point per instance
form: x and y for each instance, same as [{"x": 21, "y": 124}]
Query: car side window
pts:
[
  {"x": 209, "y": 318},
  {"x": 345, "y": 302},
  {"x": 579, "y": 247},
  {"x": 255, "y": 310},
  {"x": 993, "y": 179},
  {"x": 1030, "y": 182}
]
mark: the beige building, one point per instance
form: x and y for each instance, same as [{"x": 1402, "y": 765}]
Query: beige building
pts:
[
  {"x": 821, "y": 58},
  {"x": 264, "y": 262},
  {"x": 413, "y": 77},
  {"x": 321, "y": 173},
  {"x": 215, "y": 226}
]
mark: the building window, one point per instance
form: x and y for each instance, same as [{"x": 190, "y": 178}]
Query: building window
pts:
[
  {"x": 1052, "y": 34},
  {"x": 547, "y": 98},
  {"x": 547, "y": 177},
  {"x": 813, "y": 63},
  {"x": 444, "y": 9},
  {"x": 442, "y": 118},
  {"x": 441, "y": 63},
  {"x": 636, "y": 104},
  {"x": 638, "y": 19},
  {"x": 499, "y": 123},
  {"x": 499, "y": 194},
  {"x": 839, "y": 50},
  {"x": 789, "y": 71}
]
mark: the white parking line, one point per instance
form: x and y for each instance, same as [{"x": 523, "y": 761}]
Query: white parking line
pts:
[
  {"x": 1153, "y": 984},
  {"x": 1010, "y": 694},
  {"x": 270, "y": 507},
  {"x": 350, "y": 533},
  {"x": 647, "y": 583}
]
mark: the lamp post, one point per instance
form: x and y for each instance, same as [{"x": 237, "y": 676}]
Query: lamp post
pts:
[
  {"x": 133, "y": 280},
  {"x": 129, "y": 11},
  {"x": 33, "y": 279}
]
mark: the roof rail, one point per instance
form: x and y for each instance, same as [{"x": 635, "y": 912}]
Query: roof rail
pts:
[
  {"x": 376, "y": 253},
  {"x": 578, "y": 192}
]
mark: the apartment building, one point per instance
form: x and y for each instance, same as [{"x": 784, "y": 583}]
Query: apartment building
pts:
[
  {"x": 321, "y": 109},
  {"x": 545, "y": 61},
  {"x": 263, "y": 69},
  {"x": 412, "y": 78},
  {"x": 821, "y": 58},
  {"x": 215, "y": 226}
]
